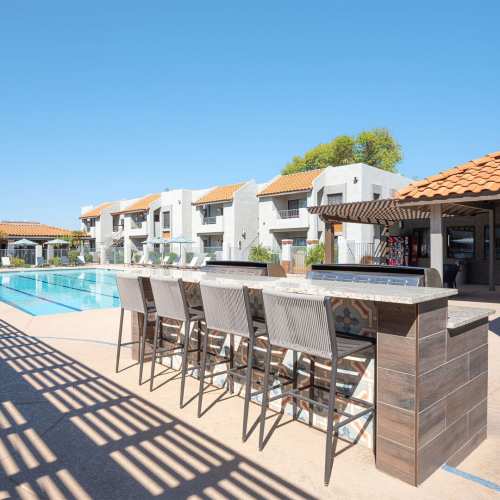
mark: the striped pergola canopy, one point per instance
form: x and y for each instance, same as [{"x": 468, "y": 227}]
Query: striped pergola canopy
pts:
[{"x": 385, "y": 212}]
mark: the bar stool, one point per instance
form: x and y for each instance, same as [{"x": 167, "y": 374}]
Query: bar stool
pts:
[
  {"x": 306, "y": 324},
  {"x": 227, "y": 310},
  {"x": 171, "y": 302},
  {"x": 133, "y": 299}
]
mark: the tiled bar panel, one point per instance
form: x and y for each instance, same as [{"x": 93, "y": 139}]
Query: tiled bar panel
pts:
[{"x": 431, "y": 389}]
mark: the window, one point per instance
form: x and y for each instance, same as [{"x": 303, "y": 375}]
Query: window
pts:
[
  {"x": 422, "y": 240},
  {"x": 461, "y": 241},
  {"x": 376, "y": 196},
  {"x": 117, "y": 223},
  {"x": 90, "y": 222},
  {"x": 487, "y": 242},
  {"x": 214, "y": 210},
  {"x": 335, "y": 199},
  {"x": 166, "y": 220},
  {"x": 156, "y": 216},
  {"x": 299, "y": 242},
  {"x": 296, "y": 204}
]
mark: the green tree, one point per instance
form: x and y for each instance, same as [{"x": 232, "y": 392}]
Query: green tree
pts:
[
  {"x": 375, "y": 147},
  {"x": 378, "y": 148},
  {"x": 75, "y": 238}
]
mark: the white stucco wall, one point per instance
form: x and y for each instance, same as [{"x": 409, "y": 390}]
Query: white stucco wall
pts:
[{"x": 245, "y": 220}]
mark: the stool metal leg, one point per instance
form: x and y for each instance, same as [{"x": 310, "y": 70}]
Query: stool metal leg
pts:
[
  {"x": 248, "y": 385},
  {"x": 158, "y": 328},
  {"x": 229, "y": 376},
  {"x": 185, "y": 350},
  {"x": 142, "y": 349},
  {"x": 329, "y": 430},
  {"x": 203, "y": 366},
  {"x": 265, "y": 397},
  {"x": 120, "y": 331}
]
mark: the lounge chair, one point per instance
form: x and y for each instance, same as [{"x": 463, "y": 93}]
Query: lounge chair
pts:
[
  {"x": 40, "y": 262},
  {"x": 140, "y": 262},
  {"x": 64, "y": 261},
  {"x": 80, "y": 260},
  {"x": 194, "y": 263},
  {"x": 6, "y": 262}
]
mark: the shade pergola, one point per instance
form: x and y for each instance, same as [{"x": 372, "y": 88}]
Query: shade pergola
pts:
[{"x": 387, "y": 212}]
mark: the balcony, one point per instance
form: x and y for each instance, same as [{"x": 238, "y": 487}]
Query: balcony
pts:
[
  {"x": 118, "y": 228},
  {"x": 136, "y": 228},
  {"x": 91, "y": 230},
  {"x": 289, "y": 214},
  {"x": 211, "y": 224},
  {"x": 209, "y": 220},
  {"x": 296, "y": 218}
]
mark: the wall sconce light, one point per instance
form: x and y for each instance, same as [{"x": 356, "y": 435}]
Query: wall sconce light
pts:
[{"x": 355, "y": 180}]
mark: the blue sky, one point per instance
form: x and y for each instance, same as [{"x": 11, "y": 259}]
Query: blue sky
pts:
[{"x": 116, "y": 99}]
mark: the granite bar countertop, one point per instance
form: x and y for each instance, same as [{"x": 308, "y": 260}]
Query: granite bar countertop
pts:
[
  {"x": 461, "y": 316},
  {"x": 359, "y": 291}
]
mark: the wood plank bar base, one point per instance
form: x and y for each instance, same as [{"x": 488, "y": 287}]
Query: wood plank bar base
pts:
[{"x": 431, "y": 389}]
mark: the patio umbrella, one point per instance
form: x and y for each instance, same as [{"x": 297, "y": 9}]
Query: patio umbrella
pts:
[
  {"x": 180, "y": 240},
  {"x": 57, "y": 242},
  {"x": 24, "y": 242},
  {"x": 157, "y": 240}
]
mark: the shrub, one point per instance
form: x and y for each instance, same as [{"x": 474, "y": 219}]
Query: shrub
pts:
[
  {"x": 73, "y": 257},
  {"x": 88, "y": 258},
  {"x": 55, "y": 261},
  {"x": 315, "y": 254},
  {"x": 259, "y": 253},
  {"x": 172, "y": 257},
  {"x": 17, "y": 262}
]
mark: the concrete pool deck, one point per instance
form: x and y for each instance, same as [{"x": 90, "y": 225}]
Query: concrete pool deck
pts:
[{"x": 69, "y": 428}]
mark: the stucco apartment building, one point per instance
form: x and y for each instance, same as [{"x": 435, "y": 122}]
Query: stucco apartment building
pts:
[
  {"x": 226, "y": 221},
  {"x": 119, "y": 230},
  {"x": 283, "y": 203}
]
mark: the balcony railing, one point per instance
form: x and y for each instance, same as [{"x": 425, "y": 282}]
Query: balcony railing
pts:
[
  {"x": 211, "y": 250},
  {"x": 289, "y": 214},
  {"x": 117, "y": 228},
  {"x": 209, "y": 220},
  {"x": 136, "y": 224}
]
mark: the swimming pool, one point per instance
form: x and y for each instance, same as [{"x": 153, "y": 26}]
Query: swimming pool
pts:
[{"x": 59, "y": 291}]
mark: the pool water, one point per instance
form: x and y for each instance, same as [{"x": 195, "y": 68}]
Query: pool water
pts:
[{"x": 59, "y": 291}]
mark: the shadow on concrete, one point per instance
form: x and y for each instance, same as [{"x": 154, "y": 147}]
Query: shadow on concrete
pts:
[{"x": 67, "y": 431}]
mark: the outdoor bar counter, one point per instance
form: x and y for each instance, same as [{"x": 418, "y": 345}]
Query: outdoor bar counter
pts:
[{"x": 431, "y": 366}]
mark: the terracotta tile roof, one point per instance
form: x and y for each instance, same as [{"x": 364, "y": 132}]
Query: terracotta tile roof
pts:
[
  {"x": 31, "y": 229},
  {"x": 140, "y": 205},
  {"x": 95, "y": 212},
  {"x": 221, "y": 193},
  {"x": 301, "y": 181},
  {"x": 480, "y": 176}
]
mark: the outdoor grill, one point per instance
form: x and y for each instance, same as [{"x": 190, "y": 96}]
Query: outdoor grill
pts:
[
  {"x": 384, "y": 275},
  {"x": 244, "y": 267}
]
